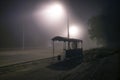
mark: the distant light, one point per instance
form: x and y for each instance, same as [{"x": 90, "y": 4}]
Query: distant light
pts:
[{"x": 73, "y": 31}]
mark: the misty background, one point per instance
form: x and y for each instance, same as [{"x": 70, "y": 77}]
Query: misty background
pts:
[{"x": 17, "y": 17}]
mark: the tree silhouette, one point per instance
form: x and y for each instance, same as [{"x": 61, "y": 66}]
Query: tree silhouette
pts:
[{"x": 105, "y": 27}]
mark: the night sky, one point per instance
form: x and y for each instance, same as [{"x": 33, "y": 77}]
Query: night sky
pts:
[{"x": 16, "y": 14}]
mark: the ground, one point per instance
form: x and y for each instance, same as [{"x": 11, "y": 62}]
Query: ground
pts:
[
  {"x": 8, "y": 57},
  {"x": 97, "y": 65}
]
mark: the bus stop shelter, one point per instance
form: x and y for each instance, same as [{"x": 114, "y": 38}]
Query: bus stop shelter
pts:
[{"x": 67, "y": 40}]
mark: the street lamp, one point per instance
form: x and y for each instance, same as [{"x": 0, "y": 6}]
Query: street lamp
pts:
[
  {"x": 68, "y": 32},
  {"x": 56, "y": 11},
  {"x": 52, "y": 13},
  {"x": 74, "y": 31}
]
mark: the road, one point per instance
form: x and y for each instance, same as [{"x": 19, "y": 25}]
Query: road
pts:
[
  {"x": 18, "y": 56},
  {"x": 100, "y": 69}
]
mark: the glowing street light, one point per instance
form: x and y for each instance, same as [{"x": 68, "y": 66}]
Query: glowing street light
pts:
[
  {"x": 54, "y": 11},
  {"x": 73, "y": 30},
  {"x": 52, "y": 14}
]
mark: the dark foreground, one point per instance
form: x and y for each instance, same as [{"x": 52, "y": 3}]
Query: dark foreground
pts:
[{"x": 94, "y": 67}]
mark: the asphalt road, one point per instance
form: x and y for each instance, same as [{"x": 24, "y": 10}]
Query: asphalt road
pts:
[
  {"x": 17, "y": 56},
  {"x": 106, "y": 68}
]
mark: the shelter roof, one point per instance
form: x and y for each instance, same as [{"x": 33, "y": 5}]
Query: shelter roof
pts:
[{"x": 59, "y": 38}]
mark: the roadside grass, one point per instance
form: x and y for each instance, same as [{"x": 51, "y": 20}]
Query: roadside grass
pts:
[{"x": 98, "y": 53}]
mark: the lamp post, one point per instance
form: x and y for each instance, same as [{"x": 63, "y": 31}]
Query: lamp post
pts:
[
  {"x": 54, "y": 12},
  {"x": 57, "y": 10},
  {"x": 68, "y": 34}
]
